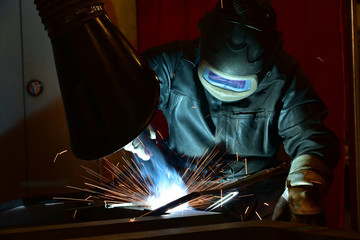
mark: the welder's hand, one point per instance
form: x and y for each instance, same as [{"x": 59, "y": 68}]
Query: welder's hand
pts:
[
  {"x": 138, "y": 147},
  {"x": 306, "y": 186},
  {"x": 301, "y": 205}
]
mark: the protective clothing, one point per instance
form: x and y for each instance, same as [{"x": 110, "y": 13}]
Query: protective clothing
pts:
[
  {"x": 284, "y": 109},
  {"x": 306, "y": 188}
]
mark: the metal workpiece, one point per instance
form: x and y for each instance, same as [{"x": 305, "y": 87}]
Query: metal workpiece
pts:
[
  {"x": 182, "y": 225},
  {"x": 235, "y": 185}
]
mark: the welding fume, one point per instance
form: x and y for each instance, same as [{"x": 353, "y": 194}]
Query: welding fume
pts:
[{"x": 233, "y": 90}]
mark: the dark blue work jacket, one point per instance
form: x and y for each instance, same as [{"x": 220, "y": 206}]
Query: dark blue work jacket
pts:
[{"x": 284, "y": 110}]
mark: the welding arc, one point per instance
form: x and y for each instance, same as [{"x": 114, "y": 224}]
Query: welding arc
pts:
[{"x": 238, "y": 184}]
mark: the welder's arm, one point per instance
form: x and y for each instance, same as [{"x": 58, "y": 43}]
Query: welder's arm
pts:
[
  {"x": 314, "y": 150},
  {"x": 163, "y": 61}
]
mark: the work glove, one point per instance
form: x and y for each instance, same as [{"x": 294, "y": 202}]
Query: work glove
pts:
[
  {"x": 138, "y": 145},
  {"x": 303, "y": 200}
]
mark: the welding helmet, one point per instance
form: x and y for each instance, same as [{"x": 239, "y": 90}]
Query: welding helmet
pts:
[{"x": 238, "y": 44}]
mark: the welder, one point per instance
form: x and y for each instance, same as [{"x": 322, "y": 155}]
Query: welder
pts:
[{"x": 236, "y": 90}]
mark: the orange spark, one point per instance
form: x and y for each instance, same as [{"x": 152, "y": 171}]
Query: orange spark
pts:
[
  {"x": 247, "y": 195},
  {"x": 160, "y": 134},
  {"x": 58, "y": 154},
  {"x": 321, "y": 59},
  {"x": 130, "y": 181},
  {"x": 246, "y": 209},
  {"x": 219, "y": 133},
  {"x": 258, "y": 215},
  {"x": 246, "y": 170}
]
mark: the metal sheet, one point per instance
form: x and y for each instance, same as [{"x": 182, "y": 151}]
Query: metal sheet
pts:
[{"x": 185, "y": 225}]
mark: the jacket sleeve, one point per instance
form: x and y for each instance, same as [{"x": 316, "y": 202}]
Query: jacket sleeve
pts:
[
  {"x": 304, "y": 133},
  {"x": 164, "y": 60}
]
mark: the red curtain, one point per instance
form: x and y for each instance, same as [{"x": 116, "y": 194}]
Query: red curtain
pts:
[{"x": 312, "y": 34}]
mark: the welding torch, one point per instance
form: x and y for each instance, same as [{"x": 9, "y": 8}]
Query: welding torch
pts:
[{"x": 239, "y": 185}]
